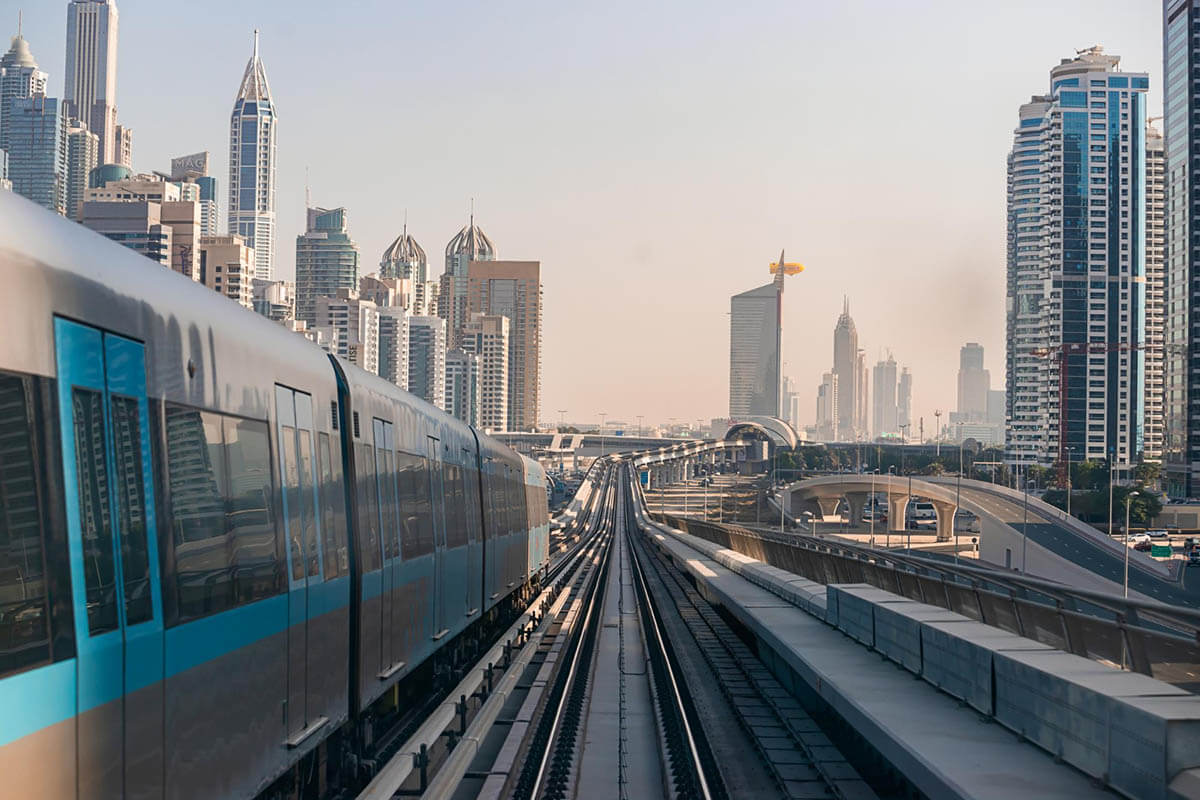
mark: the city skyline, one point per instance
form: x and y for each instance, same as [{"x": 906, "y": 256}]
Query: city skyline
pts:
[{"x": 546, "y": 190}]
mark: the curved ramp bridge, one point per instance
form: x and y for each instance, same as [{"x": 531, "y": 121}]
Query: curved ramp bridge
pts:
[{"x": 1017, "y": 531}]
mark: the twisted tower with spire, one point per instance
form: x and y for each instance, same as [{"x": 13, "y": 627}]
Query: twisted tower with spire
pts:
[{"x": 252, "y": 165}]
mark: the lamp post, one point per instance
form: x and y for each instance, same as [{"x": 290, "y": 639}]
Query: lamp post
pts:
[
  {"x": 1025, "y": 522},
  {"x": 874, "y": 472},
  {"x": 957, "y": 492},
  {"x": 1128, "y": 499},
  {"x": 891, "y": 511},
  {"x": 908, "y": 530},
  {"x": 1069, "y": 484},
  {"x": 1112, "y": 458}
]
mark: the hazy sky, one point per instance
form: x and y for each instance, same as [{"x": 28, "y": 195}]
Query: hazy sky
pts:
[{"x": 654, "y": 157}]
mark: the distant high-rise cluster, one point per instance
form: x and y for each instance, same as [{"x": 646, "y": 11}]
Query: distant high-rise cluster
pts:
[
  {"x": 469, "y": 342},
  {"x": 845, "y": 412}
]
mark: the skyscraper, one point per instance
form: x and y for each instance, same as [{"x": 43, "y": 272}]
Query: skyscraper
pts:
[
  {"x": 847, "y": 369},
  {"x": 1156, "y": 240},
  {"x": 37, "y": 151},
  {"x": 427, "y": 358},
  {"x": 194, "y": 169},
  {"x": 326, "y": 260},
  {"x": 827, "y": 408},
  {"x": 357, "y": 324},
  {"x": 1181, "y": 378},
  {"x": 83, "y": 154},
  {"x": 755, "y": 350},
  {"x": 19, "y": 77},
  {"x": 885, "y": 415},
  {"x": 487, "y": 336},
  {"x": 469, "y": 244},
  {"x": 91, "y": 72},
  {"x": 252, "y": 166},
  {"x": 904, "y": 400},
  {"x": 974, "y": 383},
  {"x": 405, "y": 259},
  {"x": 464, "y": 385},
  {"x": 1076, "y": 264},
  {"x": 513, "y": 289},
  {"x": 393, "y": 345}
]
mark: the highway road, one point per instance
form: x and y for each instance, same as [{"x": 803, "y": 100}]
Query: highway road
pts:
[{"x": 1046, "y": 532}]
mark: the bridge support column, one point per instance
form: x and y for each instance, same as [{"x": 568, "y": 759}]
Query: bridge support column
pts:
[
  {"x": 855, "y": 501},
  {"x": 945, "y": 519},
  {"x": 897, "y": 509},
  {"x": 828, "y": 506}
]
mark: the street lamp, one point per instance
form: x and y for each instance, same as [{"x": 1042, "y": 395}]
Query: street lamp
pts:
[
  {"x": 1128, "y": 499},
  {"x": 957, "y": 492},
  {"x": 1025, "y": 522},
  {"x": 1069, "y": 489},
  {"x": 891, "y": 511},
  {"x": 603, "y": 414},
  {"x": 874, "y": 472}
]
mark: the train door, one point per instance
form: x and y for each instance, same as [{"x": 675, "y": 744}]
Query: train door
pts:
[
  {"x": 437, "y": 495},
  {"x": 294, "y": 412},
  {"x": 113, "y": 556}
]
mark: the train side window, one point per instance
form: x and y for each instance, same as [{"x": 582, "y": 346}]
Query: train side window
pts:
[
  {"x": 368, "y": 508},
  {"x": 250, "y": 516},
  {"x": 222, "y": 518},
  {"x": 291, "y": 485},
  {"x": 24, "y": 629},
  {"x": 308, "y": 519},
  {"x": 456, "y": 509},
  {"x": 131, "y": 508},
  {"x": 415, "y": 505},
  {"x": 331, "y": 491},
  {"x": 94, "y": 512}
]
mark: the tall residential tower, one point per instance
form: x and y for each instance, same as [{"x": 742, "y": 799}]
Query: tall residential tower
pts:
[
  {"x": 252, "y": 166},
  {"x": 1076, "y": 265}
]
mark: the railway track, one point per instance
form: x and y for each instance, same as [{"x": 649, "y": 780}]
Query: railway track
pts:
[{"x": 612, "y": 689}]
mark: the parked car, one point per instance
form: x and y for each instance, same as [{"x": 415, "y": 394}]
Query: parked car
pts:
[{"x": 1158, "y": 534}]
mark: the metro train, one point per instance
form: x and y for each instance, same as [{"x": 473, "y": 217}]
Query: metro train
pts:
[{"x": 221, "y": 548}]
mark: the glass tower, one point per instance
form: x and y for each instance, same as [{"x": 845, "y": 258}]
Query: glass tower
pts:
[
  {"x": 252, "y": 166},
  {"x": 754, "y": 351},
  {"x": 37, "y": 154},
  {"x": 1181, "y": 428},
  {"x": 326, "y": 260},
  {"x": 1075, "y": 356}
]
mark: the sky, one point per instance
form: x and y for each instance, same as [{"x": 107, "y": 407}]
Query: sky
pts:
[{"x": 655, "y": 157}]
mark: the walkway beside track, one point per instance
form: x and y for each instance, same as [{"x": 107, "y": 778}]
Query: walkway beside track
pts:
[{"x": 946, "y": 749}]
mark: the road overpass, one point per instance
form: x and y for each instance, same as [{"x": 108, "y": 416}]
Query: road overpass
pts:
[{"x": 1016, "y": 530}]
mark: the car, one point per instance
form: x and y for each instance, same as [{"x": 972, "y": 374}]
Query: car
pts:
[
  {"x": 1143, "y": 546},
  {"x": 1139, "y": 538},
  {"x": 1158, "y": 534},
  {"x": 1193, "y": 557}
]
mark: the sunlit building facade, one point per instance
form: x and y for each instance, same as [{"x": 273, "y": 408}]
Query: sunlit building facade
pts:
[{"x": 1077, "y": 266}]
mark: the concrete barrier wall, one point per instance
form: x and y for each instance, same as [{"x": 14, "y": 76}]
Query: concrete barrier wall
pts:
[{"x": 1127, "y": 730}]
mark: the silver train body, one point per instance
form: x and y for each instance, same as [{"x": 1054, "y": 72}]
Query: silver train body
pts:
[{"x": 218, "y": 546}]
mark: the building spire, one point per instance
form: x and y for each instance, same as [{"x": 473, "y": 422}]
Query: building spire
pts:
[
  {"x": 472, "y": 212},
  {"x": 256, "y": 44},
  {"x": 846, "y": 304},
  {"x": 20, "y": 21}
]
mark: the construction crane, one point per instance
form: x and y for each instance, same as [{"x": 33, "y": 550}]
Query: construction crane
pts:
[{"x": 1060, "y": 353}]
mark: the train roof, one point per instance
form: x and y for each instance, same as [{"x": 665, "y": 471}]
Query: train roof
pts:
[{"x": 202, "y": 348}]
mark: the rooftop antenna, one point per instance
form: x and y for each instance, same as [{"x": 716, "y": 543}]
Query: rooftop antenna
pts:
[
  {"x": 405, "y": 222},
  {"x": 307, "y": 186},
  {"x": 256, "y": 44},
  {"x": 472, "y": 212},
  {"x": 20, "y": 21}
]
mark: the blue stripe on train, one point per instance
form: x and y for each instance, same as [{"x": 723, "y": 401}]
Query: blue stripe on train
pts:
[{"x": 36, "y": 699}]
